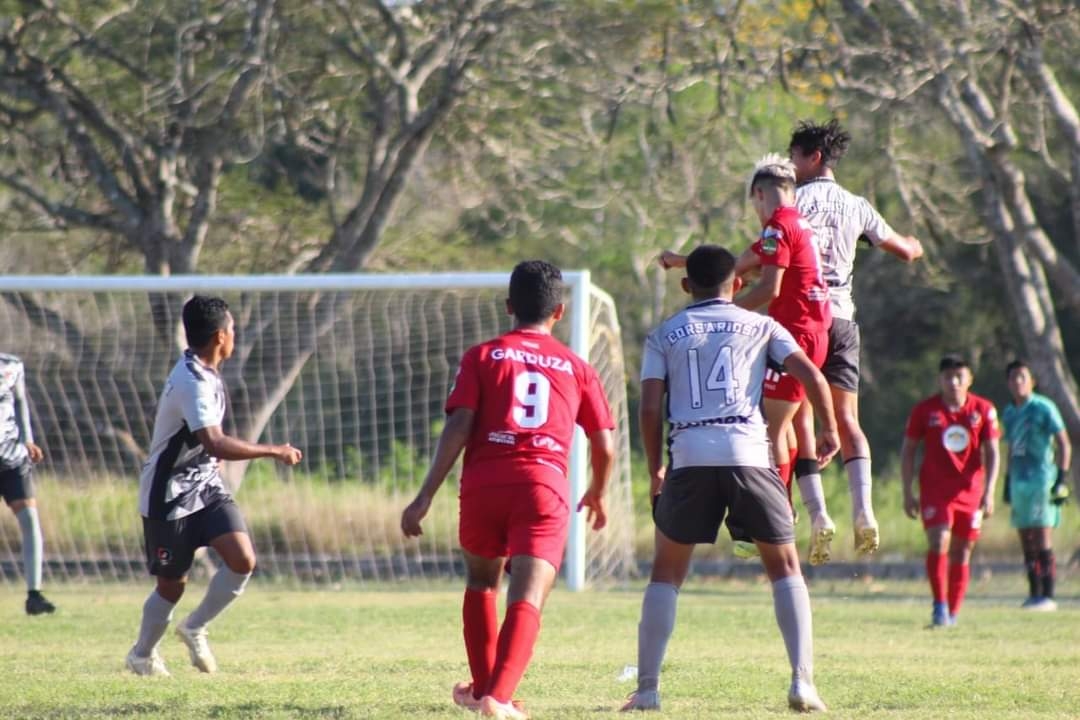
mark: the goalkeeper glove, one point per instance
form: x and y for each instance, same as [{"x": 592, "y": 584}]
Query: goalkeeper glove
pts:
[
  {"x": 1007, "y": 497},
  {"x": 1059, "y": 493}
]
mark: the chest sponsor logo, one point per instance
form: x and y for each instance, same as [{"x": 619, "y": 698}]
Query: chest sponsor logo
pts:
[
  {"x": 956, "y": 438},
  {"x": 502, "y": 438}
]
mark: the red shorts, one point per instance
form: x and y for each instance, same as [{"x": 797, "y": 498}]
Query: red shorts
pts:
[
  {"x": 961, "y": 521},
  {"x": 519, "y": 519},
  {"x": 781, "y": 385}
]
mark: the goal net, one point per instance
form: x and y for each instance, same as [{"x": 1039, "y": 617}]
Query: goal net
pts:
[{"x": 352, "y": 369}]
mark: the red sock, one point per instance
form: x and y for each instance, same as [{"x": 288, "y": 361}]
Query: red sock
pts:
[
  {"x": 785, "y": 475},
  {"x": 958, "y": 582},
  {"x": 793, "y": 455},
  {"x": 516, "y": 641},
  {"x": 481, "y": 629},
  {"x": 936, "y": 566}
]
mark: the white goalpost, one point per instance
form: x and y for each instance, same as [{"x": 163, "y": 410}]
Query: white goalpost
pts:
[{"x": 353, "y": 369}]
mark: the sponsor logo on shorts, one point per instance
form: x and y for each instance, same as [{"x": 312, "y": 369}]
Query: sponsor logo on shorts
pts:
[
  {"x": 929, "y": 513},
  {"x": 502, "y": 438},
  {"x": 164, "y": 555}
]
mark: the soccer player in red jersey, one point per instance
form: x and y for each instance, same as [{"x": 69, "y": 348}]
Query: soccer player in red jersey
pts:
[
  {"x": 793, "y": 288},
  {"x": 959, "y": 431},
  {"x": 513, "y": 409}
]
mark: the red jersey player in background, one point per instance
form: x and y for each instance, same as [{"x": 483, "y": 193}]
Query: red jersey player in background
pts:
[
  {"x": 513, "y": 409},
  {"x": 959, "y": 432},
  {"x": 794, "y": 289}
]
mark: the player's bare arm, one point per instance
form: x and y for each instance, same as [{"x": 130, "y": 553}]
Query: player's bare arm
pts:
[
  {"x": 747, "y": 262},
  {"x": 906, "y": 247},
  {"x": 907, "y": 476},
  {"x": 651, "y": 422},
  {"x": 602, "y": 459},
  {"x": 227, "y": 447},
  {"x": 451, "y": 442},
  {"x": 764, "y": 291},
  {"x": 1064, "y": 451},
  {"x": 669, "y": 260},
  {"x": 817, "y": 392},
  {"x": 991, "y": 459}
]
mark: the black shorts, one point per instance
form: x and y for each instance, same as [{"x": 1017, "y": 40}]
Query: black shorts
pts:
[
  {"x": 16, "y": 483},
  {"x": 694, "y": 501},
  {"x": 171, "y": 544},
  {"x": 841, "y": 366}
]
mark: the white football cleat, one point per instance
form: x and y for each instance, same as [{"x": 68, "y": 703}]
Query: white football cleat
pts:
[
  {"x": 803, "y": 697},
  {"x": 642, "y": 700},
  {"x": 822, "y": 530},
  {"x": 463, "y": 696},
  {"x": 490, "y": 707},
  {"x": 867, "y": 536},
  {"x": 152, "y": 666},
  {"x": 1043, "y": 604},
  {"x": 198, "y": 648}
]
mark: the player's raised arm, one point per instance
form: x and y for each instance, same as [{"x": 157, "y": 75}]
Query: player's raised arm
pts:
[
  {"x": 227, "y": 447},
  {"x": 906, "y": 247},
  {"x": 451, "y": 442},
  {"x": 817, "y": 392}
]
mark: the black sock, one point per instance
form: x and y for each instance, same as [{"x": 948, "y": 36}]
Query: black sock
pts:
[
  {"x": 1031, "y": 563},
  {"x": 1047, "y": 572}
]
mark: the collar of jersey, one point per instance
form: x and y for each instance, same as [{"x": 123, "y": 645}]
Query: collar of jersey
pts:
[
  {"x": 189, "y": 353},
  {"x": 817, "y": 180},
  {"x": 706, "y": 303}
]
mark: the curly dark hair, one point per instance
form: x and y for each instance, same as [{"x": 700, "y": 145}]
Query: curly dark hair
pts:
[
  {"x": 830, "y": 139},
  {"x": 204, "y": 316},
  {"x": 536, "y": 289}
]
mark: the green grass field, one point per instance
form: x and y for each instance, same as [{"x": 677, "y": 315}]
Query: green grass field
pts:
[{"x": 395, "y": 653}]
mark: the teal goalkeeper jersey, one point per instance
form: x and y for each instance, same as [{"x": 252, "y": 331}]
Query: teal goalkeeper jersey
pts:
[{"x": 1030, "y": 430}]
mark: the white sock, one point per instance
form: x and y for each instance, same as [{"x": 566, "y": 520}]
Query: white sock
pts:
[
  {"x": 791, "y": 602},
  {"x": 32, "y": 546},
  {"x": 654, "y": 631},
  {"x": 225, "y": 587},
  {"x": 860, "y": 484}
]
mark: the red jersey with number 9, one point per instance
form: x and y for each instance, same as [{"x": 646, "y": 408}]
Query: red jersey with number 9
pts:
[{"x": 528, "y": 390}]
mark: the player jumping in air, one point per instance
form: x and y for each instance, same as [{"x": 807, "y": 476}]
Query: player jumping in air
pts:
[
  {"x": 1035, "y": 485},
  {"x": 792, "y": 287},
  {"x": 959, "y": 432},
  {"x": 17, "y": 454},
  {"x": 710, "y": 360},
  {"x": 513, "y": 408},
  {"x": 839, "y": 219},
  {"x": 182, "y": 498}
]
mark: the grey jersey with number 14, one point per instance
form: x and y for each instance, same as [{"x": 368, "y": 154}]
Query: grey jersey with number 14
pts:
[
  {"x": 14, "y": 413},
  {"x": 838, "y": 218},
  {"x": 713, "y": 356}
]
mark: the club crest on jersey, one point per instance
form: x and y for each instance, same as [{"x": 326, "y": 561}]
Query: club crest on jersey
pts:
[
  {"x": 936, "y": 420},
  {"x": 769, "y": 240},
  {"x": 956, "y": 438}
]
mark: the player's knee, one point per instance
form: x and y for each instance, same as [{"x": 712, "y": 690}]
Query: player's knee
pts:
[
  {"x": 172, "y": 589},
  {"x": 243, "y": 563}
]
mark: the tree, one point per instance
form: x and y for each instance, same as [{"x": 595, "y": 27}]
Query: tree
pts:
[{"x": 977, "y": 75}]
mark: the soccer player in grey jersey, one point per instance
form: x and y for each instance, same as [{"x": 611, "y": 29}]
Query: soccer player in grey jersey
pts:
[
  {"x": 182, "y": 498},
  {"x": 17, "y": 454},
  {"x": 710, "y": 360},
  {"x": 840, "y": 219}
]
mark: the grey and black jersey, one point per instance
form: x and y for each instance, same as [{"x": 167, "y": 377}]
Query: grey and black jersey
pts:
[
  {"x": 713, "y": 356},
  {"x": 15, "y": 429},
  {"x": 180, "y": 477},
  {"x": 838, "y": 218}
]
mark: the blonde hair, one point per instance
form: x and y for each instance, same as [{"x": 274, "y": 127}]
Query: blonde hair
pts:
[{"x": 774, "y": 167}]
